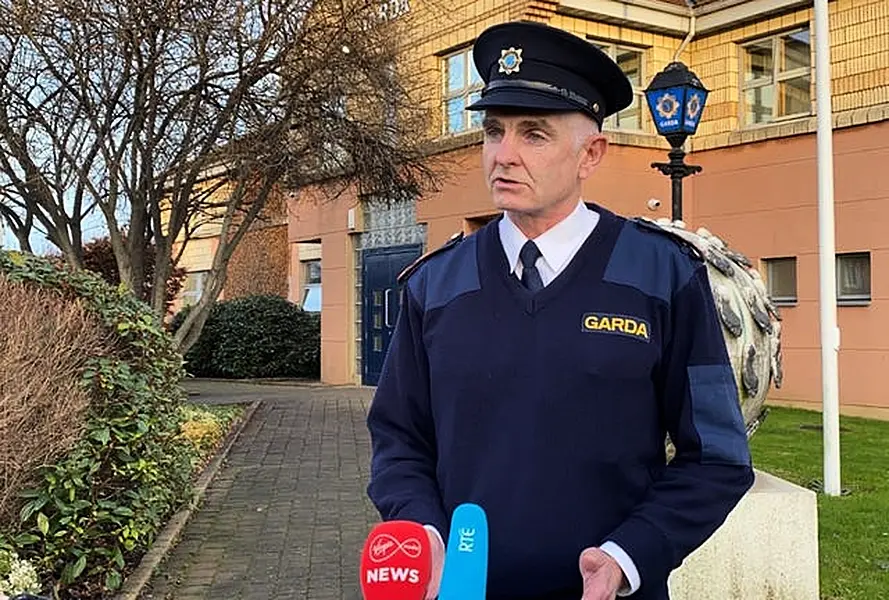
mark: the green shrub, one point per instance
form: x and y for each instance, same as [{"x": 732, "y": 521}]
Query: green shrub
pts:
[
  {"x": 256, "y": 337},
  {"x": 205, "y": 427},
  {"x": 99, "y": 507}
]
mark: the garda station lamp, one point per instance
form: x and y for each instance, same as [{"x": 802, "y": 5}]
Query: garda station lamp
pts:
[{"x": 676, "y": 99}]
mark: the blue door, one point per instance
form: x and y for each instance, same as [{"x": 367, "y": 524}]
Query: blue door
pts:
[{"x": 381, "y": 304}]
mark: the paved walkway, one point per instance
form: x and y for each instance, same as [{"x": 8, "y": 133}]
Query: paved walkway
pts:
[{"x": 286, "y": 516}]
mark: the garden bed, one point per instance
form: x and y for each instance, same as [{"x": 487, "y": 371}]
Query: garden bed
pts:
[
  {"x": 99, "y": 448},
  {"x": 236, "y": 416},
  {"x": 209, "y": 430}
]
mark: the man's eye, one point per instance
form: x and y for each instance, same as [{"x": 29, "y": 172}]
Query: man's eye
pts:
[{"x": 537, "y": 136}]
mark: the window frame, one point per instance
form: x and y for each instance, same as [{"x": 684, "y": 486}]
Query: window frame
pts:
[
  {"x": 854, "y": 299},
  {"x": 611, "y": 48},
  {"x": 312, "y": 290},
  {"x": 192, "y": 297},
  {"x": 465, "y": 92},
  {"x": 311, "y": 286},
  {"x": 775, "y": 79},
  {"x": 308, "y": 278},
  {"x": 768, "y": 264}
]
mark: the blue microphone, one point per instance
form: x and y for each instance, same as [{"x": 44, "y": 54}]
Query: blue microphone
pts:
[{"x": 465, "y": 574}]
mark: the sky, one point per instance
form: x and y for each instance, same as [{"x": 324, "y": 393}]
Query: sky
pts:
[{"x": 93, "y": 227}]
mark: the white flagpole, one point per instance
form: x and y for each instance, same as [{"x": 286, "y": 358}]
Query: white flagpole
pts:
[{"x": 830, "y": 333}]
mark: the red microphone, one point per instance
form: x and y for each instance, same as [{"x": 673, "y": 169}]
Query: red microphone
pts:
[{"x": 396, "y": 563}]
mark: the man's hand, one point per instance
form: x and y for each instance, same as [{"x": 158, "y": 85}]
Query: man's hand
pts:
[
  {"x": 602, "y": 576},
  {"x": 438, "y": 554}
]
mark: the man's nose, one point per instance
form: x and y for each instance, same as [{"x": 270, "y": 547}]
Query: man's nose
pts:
[{"x": 507, "y": 150}]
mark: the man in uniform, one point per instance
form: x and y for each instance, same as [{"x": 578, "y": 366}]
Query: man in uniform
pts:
[{"x": 538, "y": 364}]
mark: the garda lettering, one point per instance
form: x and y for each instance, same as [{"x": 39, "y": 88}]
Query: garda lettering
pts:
[
  {"x": 383, "y": 574},
  {"x": 629, "y": 326}
]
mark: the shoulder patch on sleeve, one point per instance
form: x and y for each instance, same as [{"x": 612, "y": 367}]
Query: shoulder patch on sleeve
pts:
[
  {"x": 651, "y": 259},
  {"x": 685, "y": 245},
  {"x": 716, "y": 414},
  {"x": 408, "y": 270}
]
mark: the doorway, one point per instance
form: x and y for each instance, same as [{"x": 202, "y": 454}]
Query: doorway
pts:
[{"x": 381, "y": 303}]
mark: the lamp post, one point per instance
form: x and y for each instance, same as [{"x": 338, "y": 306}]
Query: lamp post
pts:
[{"x": 676, "y": 99}]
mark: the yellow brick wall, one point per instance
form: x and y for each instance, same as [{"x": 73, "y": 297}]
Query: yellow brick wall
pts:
[
  {"x": 859, "y": 48},
  {"x": 659, "y": 49},
  {"x": 436, "y": 27},
  {"x": 859, "y": 37},
  {"x": 433, "y": 30},
  {"x": 198, "y": 254},
  {"x": 860, "y": 53},
  {"x": 716, "y": 59},
  {"x": 205, "y": 228}
]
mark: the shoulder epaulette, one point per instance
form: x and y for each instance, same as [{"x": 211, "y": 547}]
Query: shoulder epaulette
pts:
[
  {"x": 684, "y": 244},
  {"x": 408, "y": 270}
]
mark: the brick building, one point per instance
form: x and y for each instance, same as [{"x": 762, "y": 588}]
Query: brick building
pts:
[{"x": 756, "y": 144}]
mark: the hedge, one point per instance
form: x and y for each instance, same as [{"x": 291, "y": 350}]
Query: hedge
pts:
[
  {"x": 97, "y": 509},
  {"x": 259, "y": 336}
]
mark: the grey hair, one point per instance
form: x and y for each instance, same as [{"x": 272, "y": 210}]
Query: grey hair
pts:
[{"x": 584, "y": 127}]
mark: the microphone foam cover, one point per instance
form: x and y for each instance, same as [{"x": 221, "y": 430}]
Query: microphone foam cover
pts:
[{"x": 396, "y": 562}]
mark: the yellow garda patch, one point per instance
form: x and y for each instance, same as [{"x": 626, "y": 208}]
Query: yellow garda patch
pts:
[{"x": 630, "y": 326}]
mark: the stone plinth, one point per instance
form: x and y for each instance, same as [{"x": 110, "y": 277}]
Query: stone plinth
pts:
[{"x": 767, "y": 549}]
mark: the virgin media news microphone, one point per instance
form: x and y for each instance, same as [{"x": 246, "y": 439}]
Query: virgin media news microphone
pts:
[
  {"x": 465, "y": 575},
  {"x": 396, "y": 562}
]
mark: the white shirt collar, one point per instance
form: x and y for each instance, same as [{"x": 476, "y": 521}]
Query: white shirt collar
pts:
[{"x": 557, "y": 245}]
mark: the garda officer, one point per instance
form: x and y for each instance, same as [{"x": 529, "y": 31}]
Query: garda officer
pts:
[{"x": 538, "y": 364}]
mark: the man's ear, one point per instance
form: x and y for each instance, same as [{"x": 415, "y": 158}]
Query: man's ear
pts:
[{"x": 593, "y": 152}]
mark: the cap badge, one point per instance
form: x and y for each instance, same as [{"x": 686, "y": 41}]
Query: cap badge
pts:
[{"x": 510, "y": 59}]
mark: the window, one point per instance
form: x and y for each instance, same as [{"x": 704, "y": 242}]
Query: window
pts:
[
  {"x": 781, "y": 279},
  {"x": 632, "y": 118},
  {"x": 463, "y": 86},
  {"x": 311, "y": 300},
  {"x": 777, "y": 74},
  {"x": 853, "y": 277},
  {"x": 193, "y": 287},
  {"x": 313, "y": 271}
]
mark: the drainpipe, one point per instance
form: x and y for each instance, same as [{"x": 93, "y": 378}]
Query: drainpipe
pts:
[{"x": 691, "y": 29}]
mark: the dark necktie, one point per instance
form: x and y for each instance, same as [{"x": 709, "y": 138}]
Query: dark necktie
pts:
[{"x": 530, "y": 275}]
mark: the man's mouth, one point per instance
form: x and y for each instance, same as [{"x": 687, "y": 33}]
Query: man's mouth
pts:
[{"x": 506, "y": 181}]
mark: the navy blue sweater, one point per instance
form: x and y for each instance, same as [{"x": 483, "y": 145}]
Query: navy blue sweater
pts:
[{"x": 550, "y": 409}]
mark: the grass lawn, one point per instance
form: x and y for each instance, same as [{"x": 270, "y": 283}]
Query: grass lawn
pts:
[{"x": 853, "y": 528}]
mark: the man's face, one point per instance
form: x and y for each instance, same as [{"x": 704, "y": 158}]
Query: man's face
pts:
[{"x": 535, "y": 163}]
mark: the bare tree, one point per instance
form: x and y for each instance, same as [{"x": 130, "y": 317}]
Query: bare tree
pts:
[
  {"x": 163, "y": 115},
  {"x": 20, "y": 222}
]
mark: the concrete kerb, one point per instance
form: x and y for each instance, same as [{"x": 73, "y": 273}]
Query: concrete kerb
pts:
[
  {"x": 279, "y": 381},
  {"x": 169, "y": 535}
]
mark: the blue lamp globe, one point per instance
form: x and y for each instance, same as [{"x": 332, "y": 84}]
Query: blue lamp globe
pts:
[{"x": 676, "y": 99}]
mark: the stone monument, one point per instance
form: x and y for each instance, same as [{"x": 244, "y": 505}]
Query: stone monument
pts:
[
  {"x": 768, "y": 547},
  {"x": 751, "y": 323}
]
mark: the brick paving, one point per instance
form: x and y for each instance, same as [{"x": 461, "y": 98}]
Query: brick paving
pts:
[{"x": 287, "y": 514}]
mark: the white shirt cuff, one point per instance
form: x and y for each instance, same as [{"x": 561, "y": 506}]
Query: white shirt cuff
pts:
[
  {"x": 437, "y": 534},
  {"x": 627, "y": 566}
]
